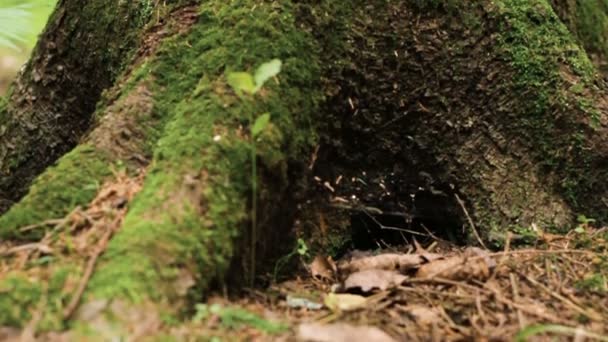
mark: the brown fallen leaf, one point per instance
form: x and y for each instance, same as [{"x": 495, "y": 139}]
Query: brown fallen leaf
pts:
[
  {"x": 344, "y": 302},
  {"x": 473, "y": 263},
  {"x": 369, "y": 280},
  {"x": 387, "y": 261},
  {"x": 422, "y": 314},
  {"x": 323, "y": 268},
  {"x": 341, "y": 332}
]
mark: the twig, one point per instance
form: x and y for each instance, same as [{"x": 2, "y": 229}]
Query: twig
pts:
[
  {"x": 533, "y": 251},
  {"x": 482, "y": 314},
  {"x": 313, "y": 158},
  {"x": 51, "y": 222},
  {"x": 101, "y": 247},
  {"x": 466, "y": 213},
  {"x": 486, "y": 291},
  {"x": 515, "y": 290},
  {"x": 26, "y": 247},
  {"x": 413, "y": 232},
  {"x": 437, "y": 293},
  {"x": 591, "y": 314}
]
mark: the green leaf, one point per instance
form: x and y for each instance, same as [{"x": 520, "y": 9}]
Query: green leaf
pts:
[
  {"x": 267, "y": 71},
  {"x": 302, "y": 248},
  {"x": 260, "y": 124},
  {"x": 241, "y": 82},
  {"x": 584, "y": 219}
]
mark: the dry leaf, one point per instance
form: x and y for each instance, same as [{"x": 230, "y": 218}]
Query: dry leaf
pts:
[
  {"x": 341, "y": 332},
  {"x": 323, "y": 268},
  {"x": 473, "y": 263},
  {"x": 369, "y": 280},
  {"x": 388, "y": 261},
  {"x": 344, "y": 302}
]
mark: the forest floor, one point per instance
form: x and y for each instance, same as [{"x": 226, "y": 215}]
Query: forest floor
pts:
[
  {"x": 558, "y": 288},
  {"x": 554, "y": 286}
]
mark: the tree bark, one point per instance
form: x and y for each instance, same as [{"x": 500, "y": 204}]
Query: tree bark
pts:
[
  {"x": 52, "y": 101},
  {"x": 482, "y": 114},
  {"x": 492, "y": 104},
  {"x": 588, "y": 21}
]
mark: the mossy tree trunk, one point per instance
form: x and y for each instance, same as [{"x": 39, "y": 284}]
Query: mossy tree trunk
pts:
[
  {"x": 485, "y": 111},
  {"x": 50, "y": 105},
  {"x": 588, "y": 21}
]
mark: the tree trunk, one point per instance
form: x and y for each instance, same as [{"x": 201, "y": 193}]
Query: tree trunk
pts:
[
  {"x": 479, "y": 114},
  {"x": 588, "y": 21},
  {"x": 493, "y": 105},
  {"x": 51, "y": 103}
]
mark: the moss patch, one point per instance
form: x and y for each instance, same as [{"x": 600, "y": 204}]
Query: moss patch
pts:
[
  {"x": 563, "y": 118},
  {"x": 195, "y": 199},
  {"x": 37, "y": 133},
  {"x": 21, "y": 297},
  {"x": 588, "y": 21},
  {"x": 73, "y": 182}
]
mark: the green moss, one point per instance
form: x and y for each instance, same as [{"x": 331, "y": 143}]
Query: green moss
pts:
[
  {"x": 35, "y": 136},
  {"x": 124, "y": 19},
  {"x": 590, "y": 24},
  {"x": 548, "y": 62},
  {"x": 21, "y": 296},
  {"x": 18, "y": 293},
  {"x": 73, "y": 182},
  {"x": 195, "y": 198},
  {"x": 196, "y": 194}
]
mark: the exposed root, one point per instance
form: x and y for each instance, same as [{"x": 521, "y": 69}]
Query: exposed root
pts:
[{"x": 81, "y": 234}]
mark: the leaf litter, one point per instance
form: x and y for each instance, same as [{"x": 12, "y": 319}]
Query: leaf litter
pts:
[
  {"x": 556, "y": 290},
  {"x": 82, "y": 237}
]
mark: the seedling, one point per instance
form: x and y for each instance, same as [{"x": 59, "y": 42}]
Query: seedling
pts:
[{"x": 244, "y": 84}]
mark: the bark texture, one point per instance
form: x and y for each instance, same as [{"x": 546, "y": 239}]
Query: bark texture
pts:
[
  {"x": 588, "y": 21},
  {"x": 175, "y": 104},
  {"x": 440, "y": 111},
  {"x": 50, "y": 105},
  {"x": 491, "y": 103}
]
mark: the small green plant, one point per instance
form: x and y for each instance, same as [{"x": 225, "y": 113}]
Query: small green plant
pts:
[
  {"x": 583, "y": 223},
  {"x": 300, "y": 249},
  {"x": 527, "y": 235},
  {"x": 235, "y": 318},
  {"x": 244, "y": 84},
  {"x": 593, "y": 282}
]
